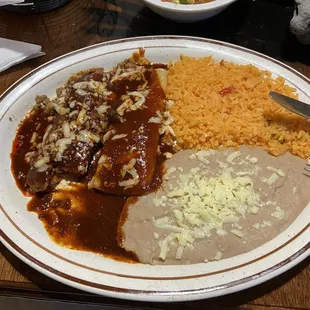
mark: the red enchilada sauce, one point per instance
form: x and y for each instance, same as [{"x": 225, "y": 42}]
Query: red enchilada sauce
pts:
[{"x": 78, "y": 218}]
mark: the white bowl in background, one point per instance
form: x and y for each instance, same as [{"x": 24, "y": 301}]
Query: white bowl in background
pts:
[{"x": 188, "y": 13}]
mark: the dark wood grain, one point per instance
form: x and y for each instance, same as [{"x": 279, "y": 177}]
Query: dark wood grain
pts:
[{"x": 261, "y": 25}]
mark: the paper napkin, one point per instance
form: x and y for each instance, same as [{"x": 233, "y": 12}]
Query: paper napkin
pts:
[
  {"x": 6, "y": 2},
  {"x": 14, "y": 52}
]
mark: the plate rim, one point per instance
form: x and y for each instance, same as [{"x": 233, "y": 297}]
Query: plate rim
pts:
[
  {"x": 189, "y": 8},
  {"x": 277, "y": 269},
  {"x": 140, "y": 295},
  {"x": 147, "y": 38}
]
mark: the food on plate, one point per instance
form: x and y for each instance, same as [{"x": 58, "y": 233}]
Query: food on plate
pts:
[
  {"x": 188, "y": 1},
  {"x": 127, "y": 160},
  {"x": 59, "y": 151},
  {"x": 82, "y": 219},
  {"x": 215, "y": 204},
  {"x": 103, "y": 121},
  {"x": 225, "y": 104},
  {"x": 68, "y": 130},
  {"x": 164, "y": 164}
]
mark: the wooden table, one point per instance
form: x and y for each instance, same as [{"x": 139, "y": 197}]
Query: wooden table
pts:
[{"x": 261, "y": 25}]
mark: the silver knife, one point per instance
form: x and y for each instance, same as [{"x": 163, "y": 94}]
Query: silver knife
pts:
[{"x": 295, "y": 106}]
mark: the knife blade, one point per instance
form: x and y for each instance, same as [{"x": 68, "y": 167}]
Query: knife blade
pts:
[{"x": 293, "y": 105}]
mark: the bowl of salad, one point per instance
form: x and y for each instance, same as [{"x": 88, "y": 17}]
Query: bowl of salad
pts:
[{"x": 188, "y": 11}]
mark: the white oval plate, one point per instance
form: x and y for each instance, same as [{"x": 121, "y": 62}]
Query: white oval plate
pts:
[{"x": 23, "y": 234}]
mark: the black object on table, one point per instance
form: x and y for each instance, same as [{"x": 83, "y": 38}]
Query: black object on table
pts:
[{"x": 36, "y": 6}]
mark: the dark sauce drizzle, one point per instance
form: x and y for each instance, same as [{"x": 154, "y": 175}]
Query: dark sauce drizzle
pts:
[{"x": 92, "y": 228}]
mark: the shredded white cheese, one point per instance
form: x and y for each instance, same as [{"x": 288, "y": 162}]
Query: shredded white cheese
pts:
[
  {"x": 107, "y": 136},
  {"x": 206, "y": 203},
  {"x": 40, "y": 162},
  {"x": 254, "y": 209},
  {"x": 221, "y": 232},
  {"x": 273, "y": 178},
  {"x": 218, "y": 255},
  {"x": 140, "y": 99},
  {"x": 128, "y": 167},
  {"x": 279, "y": 214},
  {"x": 120, "y": 136},
  {"x": 170, "y": 170},
  {"x": 102, "y": 109},
  {"x": 124, "y": 106},
  {"x": 237, "y": 233},
  {"x": 265, "y": 224},
  {"x": 33, "y": 137},
  {"x": 164, "y": 248},
  {"x": 168, "y": 155},
  {"x": 156, "y": 235},
  {"x": 193, "y": 156},
  {"x": 253, "y": 160},
  {"x": 231, "y": 157},
  {"x": 155, "y": 120},
  {"x": 277, "y": 171},
  {"x": 179, "y": 252},
  {"x": 256, "y": 226}
]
